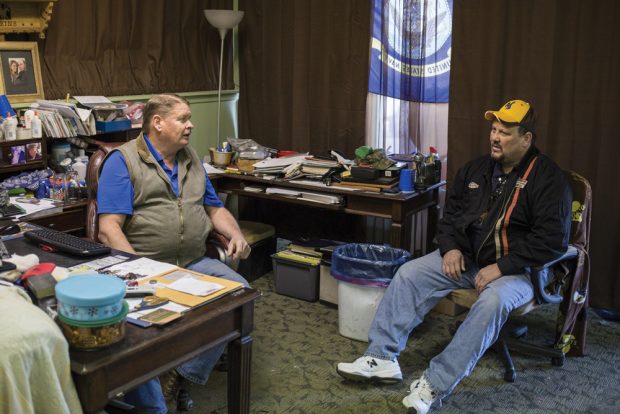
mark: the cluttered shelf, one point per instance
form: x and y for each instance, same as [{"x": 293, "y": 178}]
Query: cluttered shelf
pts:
[
  {"x": 44, "y": 150},
  {"x": 256, "y": 186},
  {"x": 373, "y": 184}
]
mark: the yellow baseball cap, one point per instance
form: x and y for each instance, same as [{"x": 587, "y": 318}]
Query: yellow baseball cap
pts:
[{"x": 512, "y": 112}]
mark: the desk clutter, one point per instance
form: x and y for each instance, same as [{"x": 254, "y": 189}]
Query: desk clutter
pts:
[
  {"x": 371, "y": 169},
  {"x": 50, "y": 141},
  {"x": 94, "y": 298}
]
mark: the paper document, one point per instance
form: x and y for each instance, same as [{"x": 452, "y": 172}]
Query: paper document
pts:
[
  {"x": 280, "y": 162},
  {"x": 95, "y": 99},
  {"x": 283, "y": 191},
  {"x": 322, "y": 198},
  {"x": 135, "y": 302},
  {"x": 42, "y": 205},
  {"x": 186, "y": 299},
  {"x": 88, "y": 119},
  {"x": 100, "y": 263},
  {"x": 194, "y": 286},
  {"x": 210, "y": 169},
  {"x": 142, "y": 268}
]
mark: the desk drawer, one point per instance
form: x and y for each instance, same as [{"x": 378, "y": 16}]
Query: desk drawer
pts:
[{"x": 71, "y": 221}]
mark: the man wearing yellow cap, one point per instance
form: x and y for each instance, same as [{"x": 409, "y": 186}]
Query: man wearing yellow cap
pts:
[{"x": 507, "y": 211}]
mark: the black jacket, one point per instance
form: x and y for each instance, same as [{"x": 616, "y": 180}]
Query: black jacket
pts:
[{"x": 528, "y": 226}]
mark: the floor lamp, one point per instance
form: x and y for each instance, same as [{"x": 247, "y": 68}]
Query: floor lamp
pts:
[{"x": 222, "y": 20}]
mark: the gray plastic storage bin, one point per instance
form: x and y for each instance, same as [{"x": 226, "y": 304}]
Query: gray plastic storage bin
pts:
[{"x": 295, "y": 279}]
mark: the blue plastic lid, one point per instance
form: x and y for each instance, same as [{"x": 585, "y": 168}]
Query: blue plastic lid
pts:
[{"x": 93, "y": 290}]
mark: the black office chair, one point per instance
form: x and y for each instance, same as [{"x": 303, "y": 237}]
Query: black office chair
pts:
[{"x": 564, "y": 282}]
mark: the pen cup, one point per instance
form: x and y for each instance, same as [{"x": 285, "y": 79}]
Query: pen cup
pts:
[
  {"x": 406, "y": 180},
  {"x": 220, "y": 159}
]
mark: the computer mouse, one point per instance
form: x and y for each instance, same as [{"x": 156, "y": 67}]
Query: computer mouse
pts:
[{"x": 9, "y": 229}]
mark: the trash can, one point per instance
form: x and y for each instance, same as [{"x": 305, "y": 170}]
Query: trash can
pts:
[{"x": 363, "y": 272}]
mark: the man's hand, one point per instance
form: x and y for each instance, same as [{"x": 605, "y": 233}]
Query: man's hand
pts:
[
  {"x": 486, "y": 275},
  {"x": 453, "y": 264},
  {"x": 238, "y": 248},
  {"x": 226, "y": 224}
]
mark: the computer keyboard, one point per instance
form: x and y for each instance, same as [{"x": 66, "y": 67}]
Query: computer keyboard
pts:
[
  {"x": 66, "y": 242},
  {"x": 11, "y": 210}
]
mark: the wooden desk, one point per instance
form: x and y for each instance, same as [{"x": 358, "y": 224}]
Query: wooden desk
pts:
[
  {"x": 146, "y": 353},
  {"x": 71, "y": 219},
  {"x": 399, "y": 208}
]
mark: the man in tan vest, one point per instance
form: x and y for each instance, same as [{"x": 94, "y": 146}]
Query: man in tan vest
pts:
[{"x": 155, "y": 200}]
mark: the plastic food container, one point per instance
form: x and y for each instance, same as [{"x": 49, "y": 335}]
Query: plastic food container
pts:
[
  {"x": 90, "y": 298},
  {"x": 94, "y": 335}
]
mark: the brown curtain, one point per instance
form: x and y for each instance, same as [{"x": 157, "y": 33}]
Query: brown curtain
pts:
[
  {"x": 130, "y": 47},
  {"x": 304, "y": 73},
  {"x": 564, "y": 58}
]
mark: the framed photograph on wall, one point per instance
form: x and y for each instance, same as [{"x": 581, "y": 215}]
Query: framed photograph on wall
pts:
[
  {"x": 33, "y": 151},
  {"x": 20, "y": 78},
  {"x": 18, "y": 154}
]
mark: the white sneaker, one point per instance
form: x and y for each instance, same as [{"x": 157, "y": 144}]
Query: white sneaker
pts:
[
  {"x": 371, "y": 369},
  {"x": 421, "y": 397}
]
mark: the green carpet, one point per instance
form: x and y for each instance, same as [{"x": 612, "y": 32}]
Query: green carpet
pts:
[{"x": 297, "y": 345}]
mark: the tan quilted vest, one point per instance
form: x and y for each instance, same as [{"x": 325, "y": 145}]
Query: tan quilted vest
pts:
[{"x": 164, "y": 227}]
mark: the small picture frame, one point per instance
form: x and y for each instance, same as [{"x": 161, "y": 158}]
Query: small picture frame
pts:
[
  {"x": 17, "y": 155},
  {"x": 20, "y": 77},
  {"x": 33, "y": 151}
]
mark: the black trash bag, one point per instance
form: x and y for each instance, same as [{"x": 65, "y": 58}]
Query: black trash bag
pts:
[{"x": 367, "y": 264}]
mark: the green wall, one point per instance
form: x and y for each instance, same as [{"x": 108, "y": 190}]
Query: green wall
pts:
[{"x": 204, "y": 116}]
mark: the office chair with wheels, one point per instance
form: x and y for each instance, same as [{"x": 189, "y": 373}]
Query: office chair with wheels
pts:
[{"x": 563, "y": 282}]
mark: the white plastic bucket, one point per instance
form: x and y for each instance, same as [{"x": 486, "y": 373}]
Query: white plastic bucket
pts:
[{"x": 357, "y": 306}]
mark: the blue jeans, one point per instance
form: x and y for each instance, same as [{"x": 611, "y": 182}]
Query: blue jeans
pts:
[
  {"x": 416, "y": 288},
  {"x": 149, "y": 396}
]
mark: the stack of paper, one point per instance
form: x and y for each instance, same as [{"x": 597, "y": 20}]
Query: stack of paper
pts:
[
  {"x": 277, "y": 165},
  {"x": 312, "y": 166},
  {"x": 316, "y": 197},
  {"x": 301, "y": 255},
  {"x": 283, "y": 191},
  {"x": 322, "y": 198},
  {"x": 101, "y": 107}
]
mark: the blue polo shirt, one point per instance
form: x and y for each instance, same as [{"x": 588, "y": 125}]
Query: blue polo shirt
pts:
[{"x": 115, "y": 192}]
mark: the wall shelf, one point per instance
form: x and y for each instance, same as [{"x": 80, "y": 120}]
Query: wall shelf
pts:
[
  {"x": 6, "y": 168},
  {"x": 30, "y": 16}
]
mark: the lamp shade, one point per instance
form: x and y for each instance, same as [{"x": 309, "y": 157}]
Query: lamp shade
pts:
[{"x": 223, "y": 19}]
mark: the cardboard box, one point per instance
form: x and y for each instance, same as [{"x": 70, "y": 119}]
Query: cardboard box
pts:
[{"x": 448, "y": 307}]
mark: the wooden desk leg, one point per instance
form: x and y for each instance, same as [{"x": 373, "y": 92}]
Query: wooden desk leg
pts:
[
  {"x": 400, "y": 229},
  {"x": 92, "y": 394},
  {"x": 239, "y": 364},
  {"x": 431, "y": 227}
]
